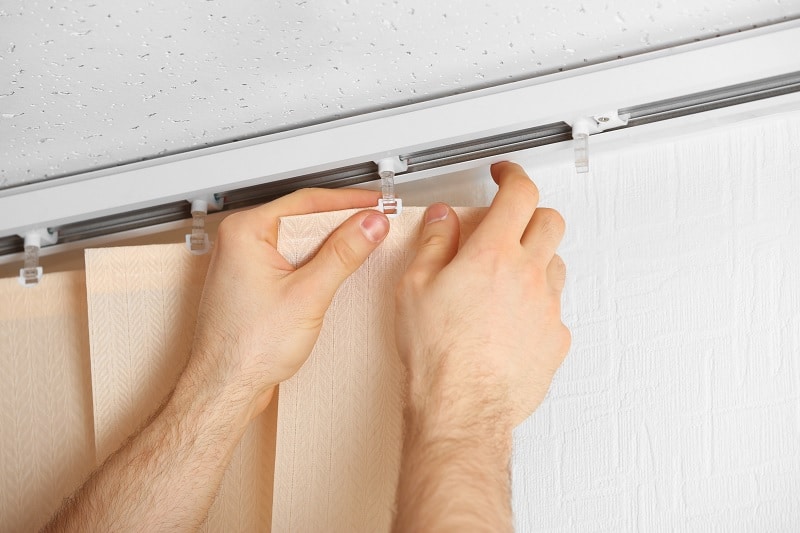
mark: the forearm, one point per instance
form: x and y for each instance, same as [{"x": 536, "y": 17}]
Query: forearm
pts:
[
  {"x": 164, "y": 478},
  {"x": 453, "y": 478}
]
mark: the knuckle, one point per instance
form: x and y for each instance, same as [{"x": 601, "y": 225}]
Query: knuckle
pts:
[
  {"x": 552, "y": 223},
  {"x": 559, "y": 266},
  {"x": 302, "y": 193},
  {"x": 344, "y": 252},
  {"x": 300, "y": 196},
  {"x": 537, "y": 276},
  {"x": 565, "y": 340},
  {"x": 434, "y": 241},
  {"x": 492, "y": 249},
  {"x": 230, "y": 229},
  {"x": 229, "y": 222},
  {"x": 526, "y": 188}
]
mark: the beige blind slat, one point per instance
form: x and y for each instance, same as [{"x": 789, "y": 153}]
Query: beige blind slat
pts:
[{"x": 46, "y": 435}]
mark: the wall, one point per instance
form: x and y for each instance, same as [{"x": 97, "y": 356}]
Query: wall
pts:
[
  {"x": 91, "y": 84},
  {"x": 678, "y": 408}
]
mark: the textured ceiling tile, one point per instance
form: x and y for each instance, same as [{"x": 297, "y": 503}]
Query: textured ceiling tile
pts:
[{"x": 85, "y": 85}]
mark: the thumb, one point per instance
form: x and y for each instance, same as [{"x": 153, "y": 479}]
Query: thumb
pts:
[
  {"x": 438, "y": 243},
  {"x": 345, "y": 250}
]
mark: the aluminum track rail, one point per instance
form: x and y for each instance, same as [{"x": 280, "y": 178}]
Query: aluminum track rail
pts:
[{"x": 423, "y": 160}]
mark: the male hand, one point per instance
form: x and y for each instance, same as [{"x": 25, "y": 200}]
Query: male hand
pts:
[
  {"x": 258, "y": 320},
  {"x": 259, "y": 317},
  {"x": 479, "y": 329}
]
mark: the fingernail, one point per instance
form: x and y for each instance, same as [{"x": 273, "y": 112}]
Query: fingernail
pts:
[
  {"x": 375, "y": 227},
  {"x": 435, "y": 213}
]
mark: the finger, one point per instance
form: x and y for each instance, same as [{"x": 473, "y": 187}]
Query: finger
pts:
[
  {"x": 544, "y": 234},
  {"x": 512, "y": 207},
  {"x": 557, "y": 273},
  {"x": 344, "y": 251},
  {"x": 264, "y": 219},
  {"x": 437, "y": 245}
]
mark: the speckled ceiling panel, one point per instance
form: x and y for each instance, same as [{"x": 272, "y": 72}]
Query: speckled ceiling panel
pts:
[{"x": 88, "y": 84}]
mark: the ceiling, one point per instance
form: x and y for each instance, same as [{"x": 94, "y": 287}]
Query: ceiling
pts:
[{"x": 87, "y": 84}]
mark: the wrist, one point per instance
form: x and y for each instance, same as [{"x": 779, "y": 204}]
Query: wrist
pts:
[
  {"x": 216, "y": 404},
  {"x": 461, "y": 416},
  {"x": 447, "y": 403},
  {"x": 212, "y": 373}
]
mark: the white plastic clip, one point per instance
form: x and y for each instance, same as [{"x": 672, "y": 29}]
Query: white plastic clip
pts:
[
  {"x": 31, "y": 273},
  {"x": 387, "y": 168},
  {"x": 198, "y": 242},
  {"x": 391, "y": 208},
  {"x": 584, "y": 126}
]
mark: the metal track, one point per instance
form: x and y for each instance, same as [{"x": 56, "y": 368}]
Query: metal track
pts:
[{"x": 424, "y": 160}]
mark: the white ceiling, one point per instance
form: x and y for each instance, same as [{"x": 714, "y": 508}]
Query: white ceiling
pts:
[{"x": 86, "y": 84}]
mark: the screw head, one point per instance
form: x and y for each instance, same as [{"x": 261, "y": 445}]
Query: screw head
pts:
[{"x": 603, "y": 119}]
